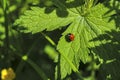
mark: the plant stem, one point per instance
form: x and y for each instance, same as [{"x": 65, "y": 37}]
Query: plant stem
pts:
[
  {"x": 29, "y": 61},
  {"x": 6, "y": 26},
  {"x": 33, "y": 65},
  {"x": 22, "y": 63},
  {"x": 58, "y": 68},
  {"x": 49, "y": 39}
]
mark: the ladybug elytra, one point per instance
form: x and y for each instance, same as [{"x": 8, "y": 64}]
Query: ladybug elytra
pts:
[{"x": 69, "y": 37}]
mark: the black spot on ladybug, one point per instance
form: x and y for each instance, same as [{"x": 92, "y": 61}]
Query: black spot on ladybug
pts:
[{"x": 69, "y": 37}]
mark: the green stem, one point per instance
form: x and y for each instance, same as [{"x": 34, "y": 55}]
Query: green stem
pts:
[
  {"x": 89, "y": 3},
  {"x": 49, "y": 39},
  {"x": 87, "y": 6},
  {"x": 58, "y": 68},
  {"x": 20, "y": 67},
  {"x": 6, "y": 26},
  {"x": 4, "y": 4}
]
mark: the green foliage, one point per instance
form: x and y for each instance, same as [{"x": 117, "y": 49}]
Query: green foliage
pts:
[
  {"x": 85, "y": 27},
  {"x": 96, "y": 46},
  {"x": 36, "y": 20}
]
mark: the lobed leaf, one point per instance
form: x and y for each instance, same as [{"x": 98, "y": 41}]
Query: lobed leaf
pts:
[
  {"x": 85, "y": 29},
  {"x": 36, "y": 20}
]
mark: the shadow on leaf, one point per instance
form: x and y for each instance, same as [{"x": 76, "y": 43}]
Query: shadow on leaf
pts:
[
  {"x": 109, "y": 51},
  {"x": 114, "y": 6},
  {"x": 60, "y": 6}
]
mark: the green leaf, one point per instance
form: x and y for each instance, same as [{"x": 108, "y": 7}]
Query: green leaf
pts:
[
  {"x": 36, "y": 20},
  {"x": 85, "y": 29}
]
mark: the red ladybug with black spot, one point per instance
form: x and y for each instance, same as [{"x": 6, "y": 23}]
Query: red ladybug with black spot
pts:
[{"x": 69, "y": 37}]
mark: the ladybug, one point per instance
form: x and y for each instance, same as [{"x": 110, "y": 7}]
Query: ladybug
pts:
[{"x": 69, "y": 37}]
